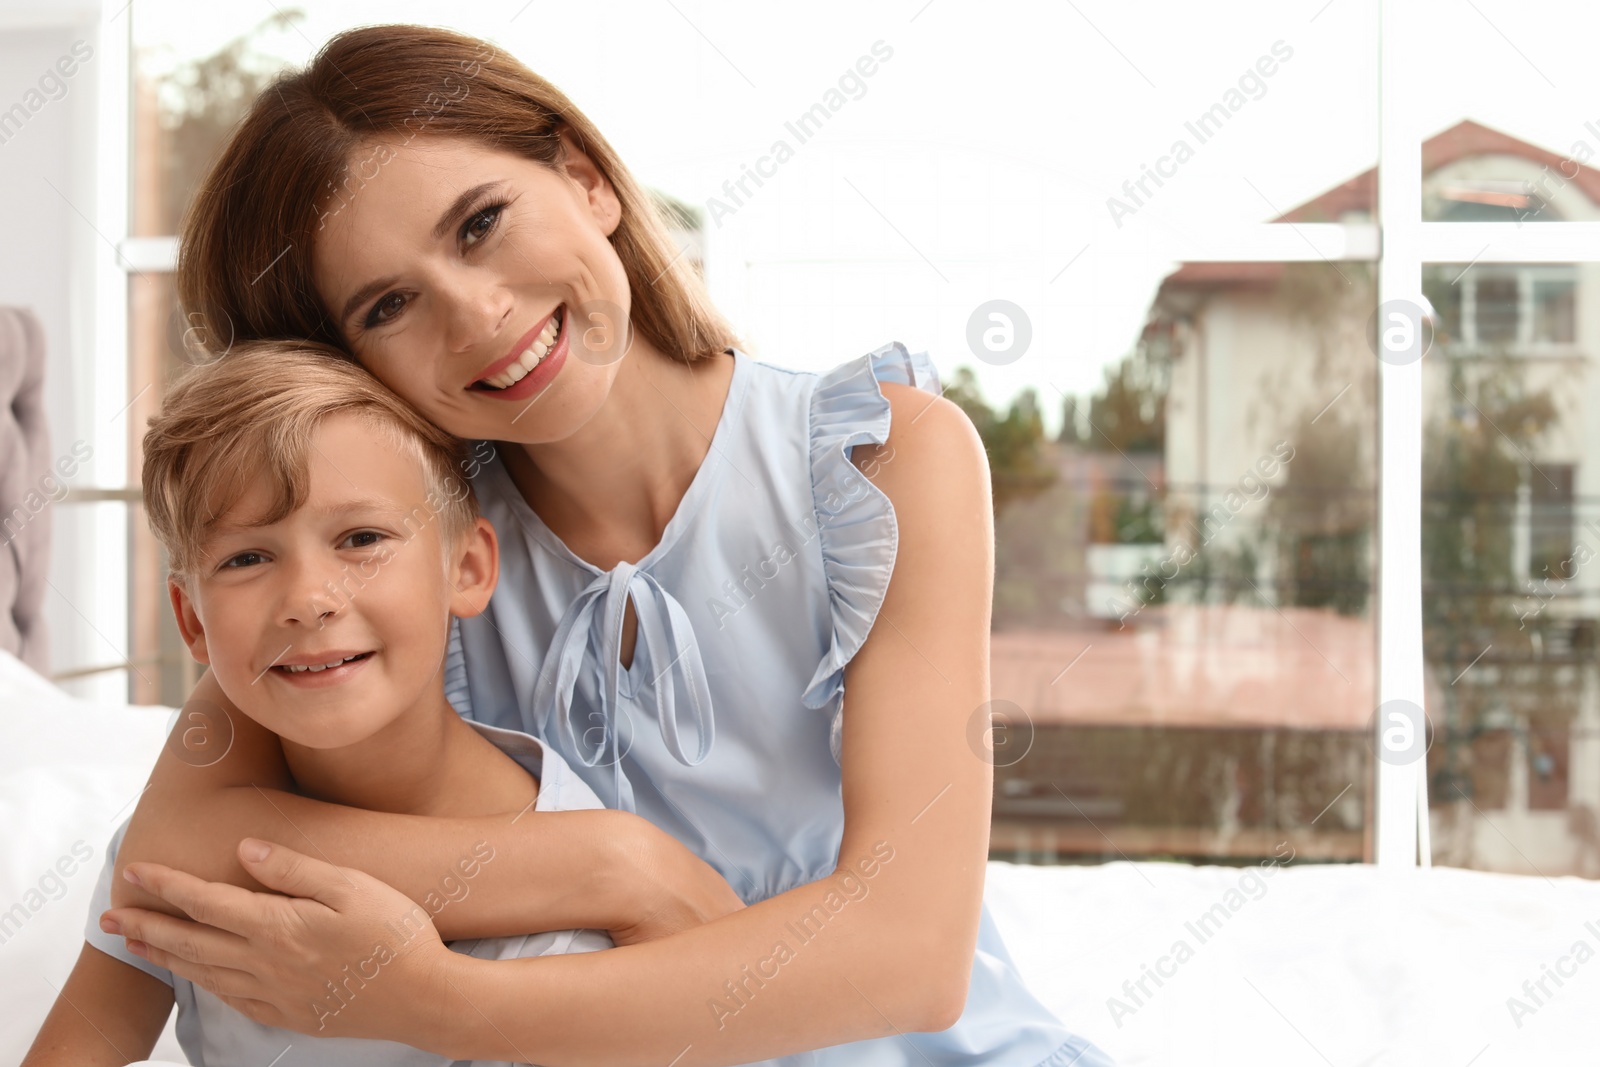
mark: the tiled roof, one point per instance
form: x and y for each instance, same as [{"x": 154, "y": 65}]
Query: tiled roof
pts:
[{"x": 1360, "y": 194}]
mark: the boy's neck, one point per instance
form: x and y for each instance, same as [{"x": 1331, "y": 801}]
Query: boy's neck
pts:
[{"x": 428, "y": 761}]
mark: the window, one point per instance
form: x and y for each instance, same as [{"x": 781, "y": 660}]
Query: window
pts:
[
  {"x": 1496, "y": 303},
  {"x": 1525, "y": 309},
  {"x": 1552, "y": 312},
  {"x": 1233, "y": 296},
  {"x": 1552, "y": 520}
]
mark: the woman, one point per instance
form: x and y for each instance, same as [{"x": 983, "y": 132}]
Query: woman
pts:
[{"x": 779, "y": 539}]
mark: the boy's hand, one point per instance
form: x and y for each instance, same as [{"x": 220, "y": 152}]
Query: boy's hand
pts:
[{"x": 309, "y": 960}]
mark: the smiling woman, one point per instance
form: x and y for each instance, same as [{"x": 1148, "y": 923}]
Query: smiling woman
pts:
[{"x": 498, "y": 269}]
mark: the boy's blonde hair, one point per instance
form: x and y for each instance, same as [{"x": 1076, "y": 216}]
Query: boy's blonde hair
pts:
[{"x": 250, "y": 415}]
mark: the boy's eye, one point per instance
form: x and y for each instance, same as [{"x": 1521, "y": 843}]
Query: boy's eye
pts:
[
  {"x": 243, "y": 559},
  {"x": 363, "y": 539}
]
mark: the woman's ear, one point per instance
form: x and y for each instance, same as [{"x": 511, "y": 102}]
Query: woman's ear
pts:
[
  {"x": 189, "y": 626},
  {"x": 474, "y": 569},
  {"x": 598, "y": 194}
]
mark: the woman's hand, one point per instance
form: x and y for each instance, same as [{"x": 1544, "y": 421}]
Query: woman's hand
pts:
[
  {"x": 672, "y": 888},
  {"x": 340, "y": 954}
]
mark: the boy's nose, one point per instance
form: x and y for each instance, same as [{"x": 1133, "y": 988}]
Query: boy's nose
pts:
[{"x": 311, "y": 597}]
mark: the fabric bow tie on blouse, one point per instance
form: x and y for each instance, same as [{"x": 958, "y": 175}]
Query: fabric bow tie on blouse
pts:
[{"x": 668, "y": 638}]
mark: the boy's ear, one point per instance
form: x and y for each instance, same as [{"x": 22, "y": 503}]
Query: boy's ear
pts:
[
  {"x": 194, "y": 634},
  {"x": 474, "y": 569}
]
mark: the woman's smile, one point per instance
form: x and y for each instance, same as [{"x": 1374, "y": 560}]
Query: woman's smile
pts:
[{"x": 532, "y": 362}]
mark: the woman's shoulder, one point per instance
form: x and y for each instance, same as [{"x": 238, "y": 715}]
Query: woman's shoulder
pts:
[
  {"x": 853, "y": 403},
  {"x": 866, "y": 401},
  {"x": 860, "y": 402},
  {"x": 855, "y": 379}
]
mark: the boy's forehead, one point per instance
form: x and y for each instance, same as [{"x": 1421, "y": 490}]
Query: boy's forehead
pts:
[
  {"x": 349, "y": 444},
  {"x": 354, "y": 467},
  {"x": 241, "y": 517}
]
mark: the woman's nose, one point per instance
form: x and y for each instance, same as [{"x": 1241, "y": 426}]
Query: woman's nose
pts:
[{"x": 476, "y": 308}]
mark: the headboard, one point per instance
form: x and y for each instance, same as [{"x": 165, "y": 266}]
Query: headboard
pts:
[{"x": 26, "y": 488}]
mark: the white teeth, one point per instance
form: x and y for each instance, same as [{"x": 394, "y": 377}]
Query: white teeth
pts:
[
  {"x": 530, "y": 357},
  {"x": 338, "y": 662}
]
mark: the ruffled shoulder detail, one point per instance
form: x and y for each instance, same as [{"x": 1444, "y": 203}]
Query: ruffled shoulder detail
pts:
[{"x": 855, "y": 521}]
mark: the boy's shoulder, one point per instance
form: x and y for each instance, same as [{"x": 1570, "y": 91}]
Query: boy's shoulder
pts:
[
  {"x": 114, "y": 945},
  {"x": 560, "y": 787}
]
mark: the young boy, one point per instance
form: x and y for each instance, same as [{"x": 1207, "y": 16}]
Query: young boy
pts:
[{"x": 321, "y": 537}]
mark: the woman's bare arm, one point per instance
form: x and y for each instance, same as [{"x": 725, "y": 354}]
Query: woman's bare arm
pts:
[
  {"x": 883, "y": 946},
  {"x": 600, "y": 869}
]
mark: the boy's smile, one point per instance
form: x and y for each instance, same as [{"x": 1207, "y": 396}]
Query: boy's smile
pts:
[{"x": 329, "y": 668}]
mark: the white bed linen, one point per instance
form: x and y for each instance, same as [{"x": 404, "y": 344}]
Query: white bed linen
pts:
[
  {"x": 1316, "y": 965},
  {"x": 70, "y": 771}
]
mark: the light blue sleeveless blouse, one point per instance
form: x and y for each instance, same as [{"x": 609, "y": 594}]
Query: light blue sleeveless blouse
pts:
[{"x": 725, "y": 729}]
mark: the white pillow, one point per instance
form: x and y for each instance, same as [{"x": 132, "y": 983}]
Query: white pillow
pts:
[{"x": 70, "y": 771}]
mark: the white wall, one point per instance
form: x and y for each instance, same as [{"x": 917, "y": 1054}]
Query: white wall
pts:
[{"x": 54, "y": 260}]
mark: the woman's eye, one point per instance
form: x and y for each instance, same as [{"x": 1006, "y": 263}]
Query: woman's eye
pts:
[
  {"x": 481, "y": 224},
  {"x": 386, "y": 309}
]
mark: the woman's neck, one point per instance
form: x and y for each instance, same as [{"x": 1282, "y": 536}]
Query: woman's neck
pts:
[
  {"x": 609, "y": 490},
  {"x": 428, "y": 761}
]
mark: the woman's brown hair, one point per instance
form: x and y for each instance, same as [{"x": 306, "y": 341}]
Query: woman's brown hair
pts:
[{"x": 244, "y": 261}]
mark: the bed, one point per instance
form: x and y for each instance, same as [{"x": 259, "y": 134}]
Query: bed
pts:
[{"x": 1315, "y": 965}]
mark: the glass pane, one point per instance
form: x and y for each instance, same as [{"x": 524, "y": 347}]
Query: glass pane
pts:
[
  {"x": 1555, "y": 309},
  {"x": 1508, "y": 528},
  {"x": 1497, "y": 307},
  {"x": 189, "y": 88},
  {"x": 1221, "y": 93},
  {"x": 156, "y": 353},
  {"x": 1511, "y": 134},
  {"x": 1183, "y": 646}
]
